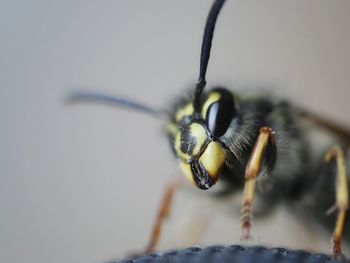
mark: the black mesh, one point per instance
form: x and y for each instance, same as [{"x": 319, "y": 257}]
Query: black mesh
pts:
[{"x": 232, "y": 254}]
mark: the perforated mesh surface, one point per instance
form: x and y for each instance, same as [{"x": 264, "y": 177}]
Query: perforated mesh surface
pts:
[{"x": 232, "y": 254}]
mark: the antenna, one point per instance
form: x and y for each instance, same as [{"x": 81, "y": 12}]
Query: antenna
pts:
[
  {"x": 85, "y": 96},
  {"x": 205, "y": 51}
]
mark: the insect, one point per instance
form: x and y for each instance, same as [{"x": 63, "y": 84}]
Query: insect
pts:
[{"x": 254, "y": 144}]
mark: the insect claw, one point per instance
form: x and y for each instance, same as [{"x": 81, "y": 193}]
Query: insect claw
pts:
[
  {"x": 245, "y": 235},
  {"x": 336, "y": 250}
]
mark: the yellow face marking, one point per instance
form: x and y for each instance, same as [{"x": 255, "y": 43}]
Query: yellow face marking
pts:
[
  {"x": 200, "y": 134},
  {"x": 213, "y": 97},
  {"x": 212, "y": 159},
  {"x": 186, "y": 170},
  {"x": 187, "y": 110}
]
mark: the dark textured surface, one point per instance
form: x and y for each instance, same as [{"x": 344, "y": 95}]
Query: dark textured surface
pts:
[{"x": 233, "y": 253}]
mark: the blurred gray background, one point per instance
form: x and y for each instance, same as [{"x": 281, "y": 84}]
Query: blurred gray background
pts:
[{"x": 82, "y": 183}]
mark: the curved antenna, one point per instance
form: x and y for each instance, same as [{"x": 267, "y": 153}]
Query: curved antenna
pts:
[
  {"x": 205, "y": 51},
  {"x": 82, "y": 96}
]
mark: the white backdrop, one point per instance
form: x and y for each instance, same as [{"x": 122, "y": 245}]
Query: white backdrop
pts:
[{"x": 82, "y": 183}]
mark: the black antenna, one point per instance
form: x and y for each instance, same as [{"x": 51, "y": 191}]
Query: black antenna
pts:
[
  {"x": 205, "y": 51},
  {"x": 81, "y": 96},
  {"x": 84, "y": 96}
]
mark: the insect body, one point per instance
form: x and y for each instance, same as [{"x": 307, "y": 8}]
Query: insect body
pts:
[
  {"x": 217, "y": 142},
  {"x": 255, "y": 143}
]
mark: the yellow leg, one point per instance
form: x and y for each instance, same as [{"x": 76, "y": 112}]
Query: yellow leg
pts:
[
  {"x": 163, "y": 213},
  {"x": 342, "y": 198},
  {"x": 266, "y": 137}
]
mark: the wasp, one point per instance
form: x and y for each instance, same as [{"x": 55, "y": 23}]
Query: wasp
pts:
[{"x": 253, "y": 143}]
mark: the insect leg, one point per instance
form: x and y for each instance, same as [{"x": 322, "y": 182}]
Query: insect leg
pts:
[
  {"x": 342, "y": 198},
  {"x": 266, "y": 137},
  {"x": 163, "y": 213}
]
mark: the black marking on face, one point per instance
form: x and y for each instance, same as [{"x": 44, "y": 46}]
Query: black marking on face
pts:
[
  {"x": 200, "y": 175},
  {"x": 188, "y": 142}
]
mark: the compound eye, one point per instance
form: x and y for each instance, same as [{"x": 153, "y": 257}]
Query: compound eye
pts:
[{"x": 220, "y": 114}]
